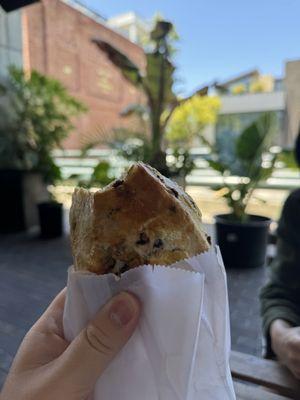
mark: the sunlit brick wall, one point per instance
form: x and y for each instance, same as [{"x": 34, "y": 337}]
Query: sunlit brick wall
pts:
[{"x": 59, "y": 44}]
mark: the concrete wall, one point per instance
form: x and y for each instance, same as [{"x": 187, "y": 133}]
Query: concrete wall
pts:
[
  {"x": 292, "y": 85},
  {"x": 256, "y": 102},
  {"x": 10, "y": 40},
  {"x": 246, "y": 108}
]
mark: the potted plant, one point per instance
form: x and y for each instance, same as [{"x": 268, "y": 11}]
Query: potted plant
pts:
[
  {"x": 35, "y": 116},
  {"x": 243, "y": 160},
  {"x": 156, "y": 83}
]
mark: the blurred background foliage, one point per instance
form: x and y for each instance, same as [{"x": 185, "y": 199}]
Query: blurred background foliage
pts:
[
  {"x": 190, "y": 118},
  {"x": 35, "y": 116}
]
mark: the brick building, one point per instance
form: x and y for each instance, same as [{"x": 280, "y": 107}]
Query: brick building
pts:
[{"x": 56, "y": 36}]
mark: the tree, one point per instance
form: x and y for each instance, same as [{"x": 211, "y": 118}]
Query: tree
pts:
[
  {"x": 264, "y": 83},
  {"x": 190, "y": 118},
  {"x": 240, "y": 88},
  {"x": 156, "y": 81}
]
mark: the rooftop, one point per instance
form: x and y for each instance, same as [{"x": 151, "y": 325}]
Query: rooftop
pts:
[
  {"x": 126, "y": 18},
  {"x": 84, "y": 9},
  {"x": 254, "y": 73},
  {"x": 131, "y": 25},
  {"x": 119, "y": 23}
]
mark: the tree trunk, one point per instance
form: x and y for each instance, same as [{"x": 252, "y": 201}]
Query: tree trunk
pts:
[
  {"x": 159, "y": 156},
  {"x": 156, "y": 133}
]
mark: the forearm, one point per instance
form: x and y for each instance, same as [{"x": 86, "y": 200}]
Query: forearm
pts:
[
  {"x": 285, "y": 342},
  {"x": 278, "y": 331},
  {"x": 280, "y": 298},
  {"x": 277, "y": 303}
]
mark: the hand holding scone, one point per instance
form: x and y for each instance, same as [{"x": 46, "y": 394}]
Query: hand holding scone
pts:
[{"x": 47, "y": 367}]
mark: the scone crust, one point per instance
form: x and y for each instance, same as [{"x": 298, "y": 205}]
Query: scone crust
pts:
[{"x": 143, "y": 218}]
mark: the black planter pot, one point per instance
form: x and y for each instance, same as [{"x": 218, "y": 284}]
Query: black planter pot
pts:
[
  {"x": 51, "y": 219},
  {"x": 20, "y": 192},
  {"x": 243, "y": 245},
  {"x": 12, "y": 216}
]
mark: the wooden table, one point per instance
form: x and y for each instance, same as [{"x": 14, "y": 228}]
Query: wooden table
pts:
[{"x": 259, "y": 379}]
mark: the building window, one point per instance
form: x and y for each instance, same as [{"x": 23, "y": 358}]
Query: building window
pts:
[{"x": 238, "y": 122}]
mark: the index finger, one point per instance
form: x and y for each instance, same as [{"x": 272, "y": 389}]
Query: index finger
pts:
[{"x": 51, "y": 319}]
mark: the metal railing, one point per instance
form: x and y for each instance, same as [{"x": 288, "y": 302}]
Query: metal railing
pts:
[{"x": 71, "y": 162}]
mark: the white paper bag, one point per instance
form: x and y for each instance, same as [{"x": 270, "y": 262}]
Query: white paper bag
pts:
[{"x": 180, "y": 350}]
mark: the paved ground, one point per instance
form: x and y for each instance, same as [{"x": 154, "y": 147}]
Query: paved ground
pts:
[{"x": 32, "y": 271}]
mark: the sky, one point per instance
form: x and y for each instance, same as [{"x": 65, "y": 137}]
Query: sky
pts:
[{"x": 222, "y": 38}]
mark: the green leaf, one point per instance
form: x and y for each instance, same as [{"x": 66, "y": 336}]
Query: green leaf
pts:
[
  {"x": 156, "y": 65},
  {"x": 129, "y": 70},
  {"x": 102, "y": 174},
  {"x": 2, "y": 89},
  {"x": 217, "y": 166},
  {"x": 161, "y": 30},
  {"x": 225, "y": 148},
  {"x": 255, "y": 139},
  {"x": 287, "y": 157}
]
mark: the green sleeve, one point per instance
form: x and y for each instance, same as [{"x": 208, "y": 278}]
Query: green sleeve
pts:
[{"x": 280, "y": 297}]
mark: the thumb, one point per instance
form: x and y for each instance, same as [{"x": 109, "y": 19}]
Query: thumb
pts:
[{"x": 91, "y": 352}]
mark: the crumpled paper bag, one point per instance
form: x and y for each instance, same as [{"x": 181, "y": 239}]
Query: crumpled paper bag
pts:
[{"x": 181, "y": 348}]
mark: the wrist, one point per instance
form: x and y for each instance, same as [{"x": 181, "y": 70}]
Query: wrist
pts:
[{"x": 278, "y": 331}]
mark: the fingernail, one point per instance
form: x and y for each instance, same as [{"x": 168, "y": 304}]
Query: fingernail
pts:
[{"x": 123, "y": 309}]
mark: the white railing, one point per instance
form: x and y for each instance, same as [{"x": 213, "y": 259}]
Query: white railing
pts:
[{"x": 71, "y": 162}]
